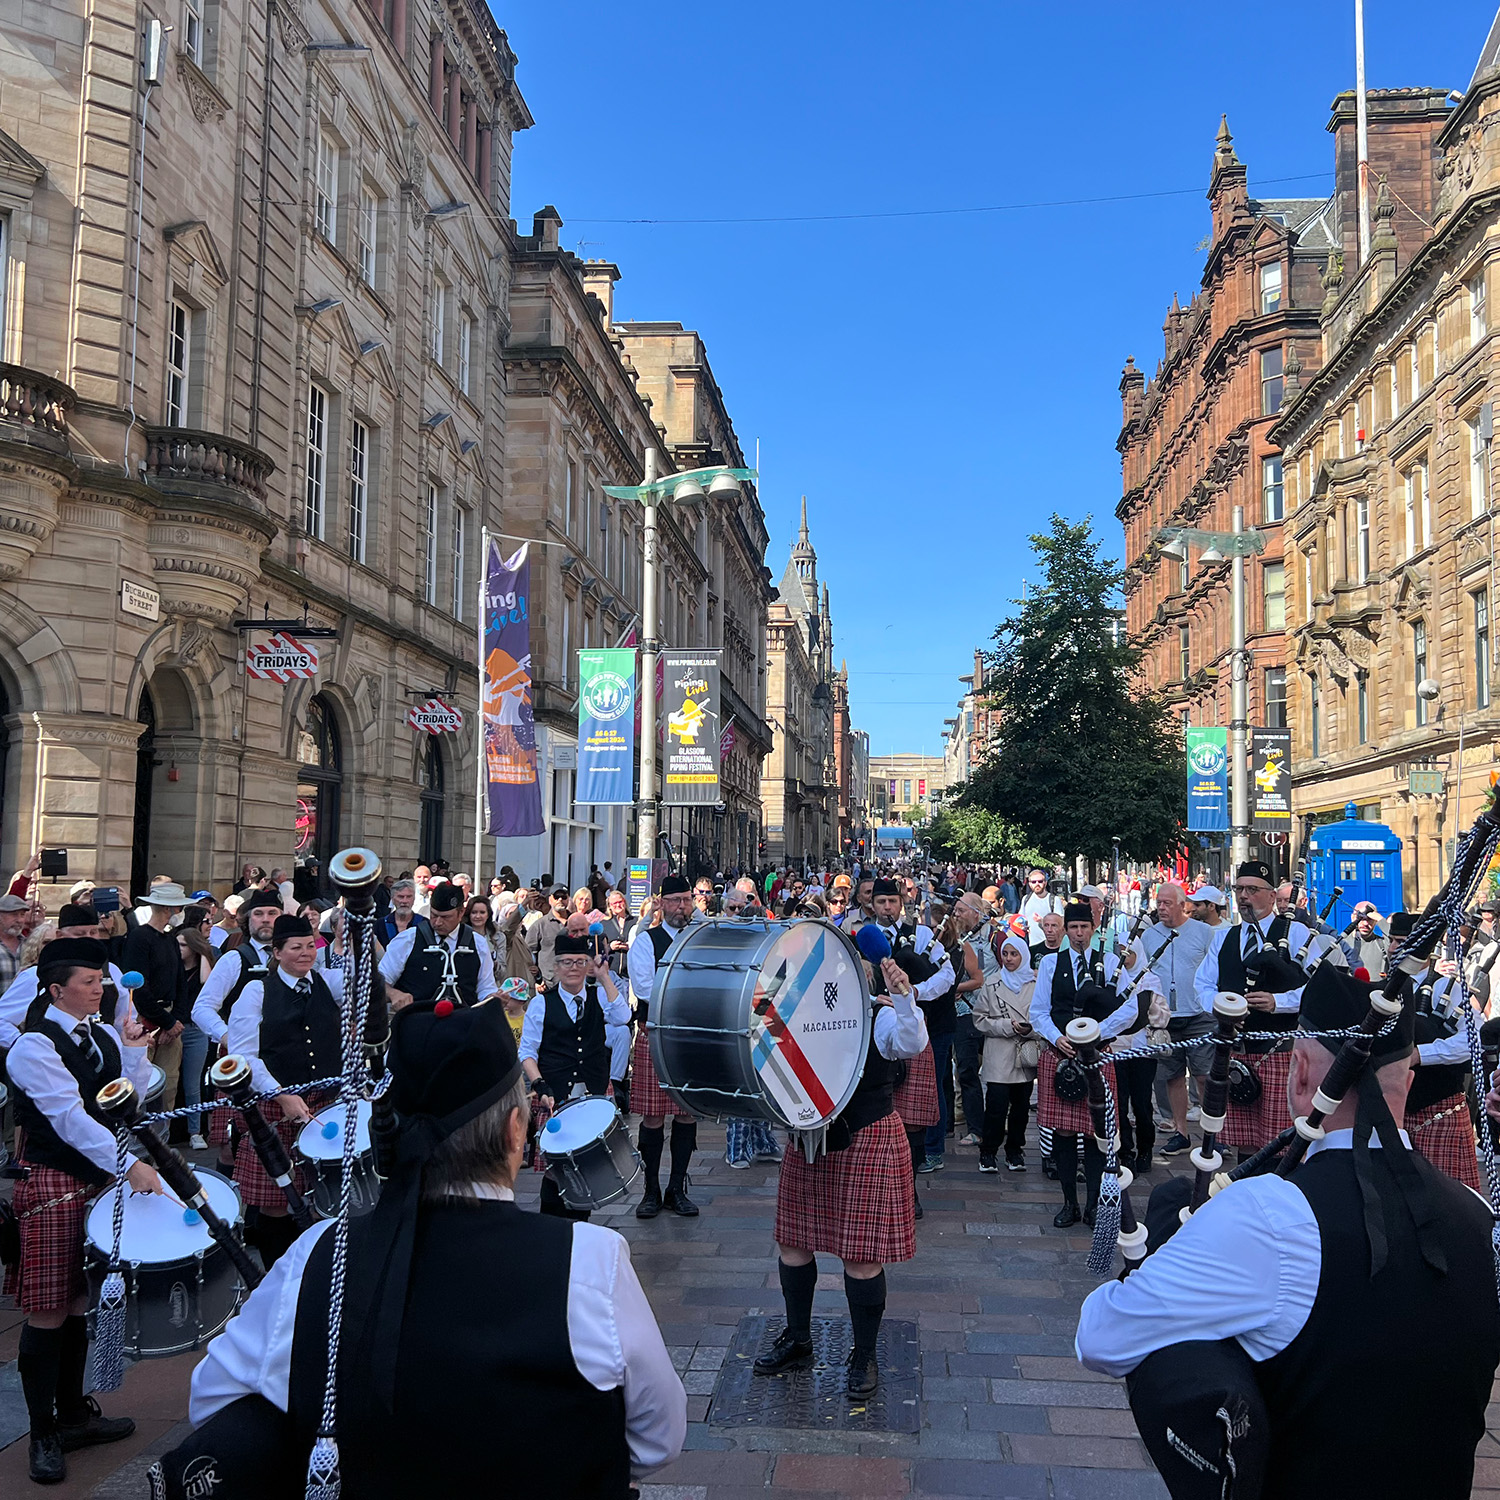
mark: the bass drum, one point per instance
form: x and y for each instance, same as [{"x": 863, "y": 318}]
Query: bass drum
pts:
[{"x": 769, "y": 1020}]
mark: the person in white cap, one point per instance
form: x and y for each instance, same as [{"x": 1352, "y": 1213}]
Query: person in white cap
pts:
[{"x": 1208, "y": 903}]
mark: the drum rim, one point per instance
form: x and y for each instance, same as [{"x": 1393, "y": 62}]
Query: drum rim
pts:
[
  {"x": 90, "y": 1244},
  {"x": 595, "y": 1140},
  {"x": 364, "y": 1117}
]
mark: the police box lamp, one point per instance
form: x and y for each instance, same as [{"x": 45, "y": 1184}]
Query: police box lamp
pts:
[{"x": 54, "y": 864}]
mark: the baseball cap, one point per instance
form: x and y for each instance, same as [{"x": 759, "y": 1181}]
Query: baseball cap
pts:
[{"x": 1209, "y": 893}]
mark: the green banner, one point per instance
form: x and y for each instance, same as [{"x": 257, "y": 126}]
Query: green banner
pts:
[{"x": 606, "y": 726}]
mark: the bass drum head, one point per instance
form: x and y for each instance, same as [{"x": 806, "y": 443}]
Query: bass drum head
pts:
[
  {"x": 157, "y": 1086},
  {"x": 810, "y": 1023},
  {"x": 158, "y": 1230}
]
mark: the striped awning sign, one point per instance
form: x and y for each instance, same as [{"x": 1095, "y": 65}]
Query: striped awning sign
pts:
[
  {"x": 281, "y": 658},
  {"x": 435, "y": 716}
]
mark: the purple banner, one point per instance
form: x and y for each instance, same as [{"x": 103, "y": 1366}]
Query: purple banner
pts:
[{"x": 514, "y": 800}]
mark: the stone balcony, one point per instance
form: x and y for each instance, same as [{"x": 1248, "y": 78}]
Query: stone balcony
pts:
[
  {"x": 34, "y": 408},
  {"x": 183, "y": 460},
  {"x": 34, "y": 462}
]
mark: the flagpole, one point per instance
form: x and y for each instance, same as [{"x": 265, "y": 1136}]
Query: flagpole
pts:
[{"x": 481, "y": 885}]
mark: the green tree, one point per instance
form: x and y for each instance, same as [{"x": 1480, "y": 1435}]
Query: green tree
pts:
[
  {"x": 965, "y": 831},
  {"x": 1084, "y": 754}
]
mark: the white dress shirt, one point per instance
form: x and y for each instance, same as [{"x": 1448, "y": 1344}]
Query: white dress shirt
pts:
[
  {"x": 36, "y": 1069},
  {"x": 1207, "y": 980},
  {"x": 22, "y": 990},
  {"x": 208, "y": 1008},
  {"x": 640, "y": 961},
  {"x": 243, "y": 1036},
  {"x": 1177, "y": 968},
  {"x": 938, "y": 984},
  {"x": 900, "y": 1028},
  {"x": 1120, "y": 1020},
  {"x": 1448, "y": 1049},
  {"x": 1265, "y": 1229},
  {"x": 400, "y": 950},
  {"x": 611, "y": 1330},
  {"x": 616, "y": 1013}
]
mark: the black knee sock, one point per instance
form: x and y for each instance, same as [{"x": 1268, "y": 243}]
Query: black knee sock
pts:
[
  {"x": 1065, "y": 1159},
  {"x": 1093, "y": 1169},
  {"x": 684, "y": 1143},
  {"x": 39, "y": 1361},
  {"x": 650, "y": 1140},
  {"x": 622, "y": 1095},
  {"x": 866, "y": 1309},
  {"x": 71, "y": 1408},
  {"x": 798, "y": 1283}
]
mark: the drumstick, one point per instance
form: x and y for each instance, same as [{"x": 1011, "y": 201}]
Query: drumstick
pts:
[
  {"x": 231, "y": 1075},
  {"x": 121, "y": 1105}
]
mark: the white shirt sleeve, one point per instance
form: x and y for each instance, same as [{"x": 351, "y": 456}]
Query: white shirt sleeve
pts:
[
  {"x": 1206, "y": 980},
  {"x": 397, "y": 954},
  {"x": 1124, "y": 1016},
  {"x": 208, "y": 1008},
  {"x": 487, "y": 986},
  {"x": 1448, "y": 1049},
  {"x": 531, "y": 1028},
  {"x": 940, "y": 983},
  {"x": 1041, "y": 1000},
  {"x": 616, "y": 1342},
  {"x": 1265, "y": 1229},
  {"x": 617, "y": 1012},
  {"x": 900, "y": 1028},
  {"x": 640, "y": 964},
  {"x": 14, "y": 1004},
  {"x": 243, "y": 1036}
]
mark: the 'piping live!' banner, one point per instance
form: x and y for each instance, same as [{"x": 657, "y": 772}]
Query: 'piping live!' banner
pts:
[
  {"x": 514, "y": 795},
  {"x": 690, "y": 709}
]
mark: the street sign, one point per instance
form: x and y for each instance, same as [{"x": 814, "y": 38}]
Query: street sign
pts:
[
  {"x": 435, "y": 717},
  {"x": 281, "y": 658},
  {"x": 1425, "y": 783},
  {"x": 136, "y": 599}
]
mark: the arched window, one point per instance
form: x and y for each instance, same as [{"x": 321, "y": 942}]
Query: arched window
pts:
[
  {"x": 320, "y": 774},
  {"x": 430, "y": 833}
]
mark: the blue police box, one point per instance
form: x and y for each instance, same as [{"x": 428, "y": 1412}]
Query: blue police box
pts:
[{"x": 1361, "y": 858}]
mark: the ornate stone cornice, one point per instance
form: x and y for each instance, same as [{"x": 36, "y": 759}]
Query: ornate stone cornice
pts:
[{"x": 206, "y": 101}]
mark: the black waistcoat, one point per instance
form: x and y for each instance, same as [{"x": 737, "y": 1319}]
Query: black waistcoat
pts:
[
  {"x": 662, "y": 937},
  {"x": 572, "y": 1052},
  {"x": 1418, "y": 1346},
  {"x": 1269, "y": 974},
  {"x": 422, "y": 976},
  {"x": 44, "y": 1147},
  {"x": 488, "y": 1399},
  {"x": 300, "y": 1036},
  {"x": 1095, "y": 1000},
  {"x": 1432, "y": 1082},
  {"x": 251, "y": 966},
  {"x": 871, "y": 1099}
]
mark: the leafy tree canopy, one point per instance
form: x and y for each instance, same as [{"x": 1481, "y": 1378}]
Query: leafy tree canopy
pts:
[{"x": 972, "y": 833}]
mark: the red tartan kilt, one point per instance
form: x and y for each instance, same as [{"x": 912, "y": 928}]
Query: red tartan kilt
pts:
[
  {"x": 915, "y": 1098},
  {"x": 1449, "y": 1142},
  {"x": 50, "y": 1273},
  {"x": 1247, "y": 1127},
  {"x": 1053, "y": 1113},
  {"x": 856, "y": 1203},
  {"x": 647, "y": 1097},
  {"x": 219, "y": 1122},
  {"x": 252, "y": 1179}
]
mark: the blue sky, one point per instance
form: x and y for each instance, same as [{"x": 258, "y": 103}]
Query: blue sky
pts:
[{"x": 935, "y": 385}]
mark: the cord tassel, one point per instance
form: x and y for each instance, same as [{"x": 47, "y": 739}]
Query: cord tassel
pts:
[
  {"x": 1107, "y": 1210},
  {"x": 109, "y": 1333},
  {"x": 323, "y": 1469}
]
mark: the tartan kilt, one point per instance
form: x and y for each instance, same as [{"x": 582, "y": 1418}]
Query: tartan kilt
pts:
[
  {"x": 857, "y": 1203},
  {"x": 252, "y": 1179},
  {"x": 647, "y": 1097},
  {"x": 1448, "y": 1143},
  {"x": 1248, "y": 1127},
  {"x": 1053, "y": 1113},
  {"x": 540, "y": 1114},
  {"x": 220, "y": 1121},
  {"x": 915, "y": 1098},
  {"x": 50, "y": 1272}
]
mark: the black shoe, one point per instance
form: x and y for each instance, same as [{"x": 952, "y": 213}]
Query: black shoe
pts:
[
  {"x": 918, "y": 1202},
  {"x": 1088, "y": 1217},
  {"x": 1176, "y": 1144},
  {"x": 1141, "y": 1165},
  {"x": 48, "y": 1466},
  {"x": 1049, "y": 1169},
  {"x": 1015, "y": 1163},
  {"x": 650, "y": 1204},
  {"x": 1066, "y": 1216},
  {"x": 988, "y": 1163},
  {"x": 787, "y": 1352},
  {"x": 93, "y": 1429},
  {"x": 679, "y": 1202},
  {"x": 864, "y": 1375}
]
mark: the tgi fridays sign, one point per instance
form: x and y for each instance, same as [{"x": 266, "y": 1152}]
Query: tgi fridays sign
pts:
[
  {"x": 435, "y": 717},
  {"x": 281, "y": 658}
]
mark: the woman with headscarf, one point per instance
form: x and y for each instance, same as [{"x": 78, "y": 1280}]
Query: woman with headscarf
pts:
[{"x": 1009, "y": 1065}]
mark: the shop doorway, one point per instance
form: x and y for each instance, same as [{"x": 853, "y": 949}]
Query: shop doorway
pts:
[
  {"x": 320, "y": 775},
  {"x": 430, "y": 829}
]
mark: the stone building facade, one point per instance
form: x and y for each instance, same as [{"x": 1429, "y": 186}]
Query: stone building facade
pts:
[
  {"x": 906, "y": 786},
  {"x": 1390, "y": 494},
  {"x": 255, "y": 285}
]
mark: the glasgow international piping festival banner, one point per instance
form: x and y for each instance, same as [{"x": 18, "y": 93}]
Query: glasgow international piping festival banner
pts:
[
  {"x": 1271, "y": 779},
  {"x": 690, "y": 710},
  {"x": 514, "y": 797},
  {"x": 606, "y": 726},
  {"x": 1208, "y": 780}
]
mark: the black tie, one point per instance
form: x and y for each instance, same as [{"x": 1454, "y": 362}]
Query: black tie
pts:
[
  {"x": 304, "y": 986},
  {"x": 1252, "y": 939},
  {"x": 1078, "y": 965},
  {"x": 85, "y": 1034}
]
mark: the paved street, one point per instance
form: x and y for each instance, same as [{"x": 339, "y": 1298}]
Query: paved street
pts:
[{"x": 1005, "y": 1409}]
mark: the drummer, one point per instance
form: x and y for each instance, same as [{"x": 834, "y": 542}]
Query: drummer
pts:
[
  {"x": 235, "y": 969},
  {"x": 287, "y": 1026},
  {"x": 450, "y": 961},
  {"x": 564, "y": 1051},
  {"x": 61, "y": 1060},
  {"x": 854, "y": 1201},
  {"x": 75, "y": 921}
]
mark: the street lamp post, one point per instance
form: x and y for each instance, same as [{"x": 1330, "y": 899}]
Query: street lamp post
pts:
[{"x": 716, "y": 483}]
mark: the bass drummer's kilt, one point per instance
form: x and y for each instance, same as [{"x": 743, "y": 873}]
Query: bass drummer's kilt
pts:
[
  {"x": 856, "y": 1203},
  {"x": 1053, "y": 1113},
  {"x": 53, "y": 1209},
  {"x": 251, "y": 1178},
  {"x": 1444, "y": 1134},
  {"x": 915, "y": 1098},
  {"x": 1248, "y": 1127},
  {"x": 647, "y": 1097}
]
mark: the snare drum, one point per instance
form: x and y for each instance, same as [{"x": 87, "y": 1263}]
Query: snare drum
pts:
[
  {"x": 155, "y": 1088},
  {"x": 321, "y": 1147},
  {"x": 181, "y": 1287},
  {"x": 769, "y": 1020},
  {"x": 586, "y": 1146}
]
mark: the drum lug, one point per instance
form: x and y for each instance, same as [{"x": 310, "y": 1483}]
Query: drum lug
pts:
[{"x": 198, "y": 1300}]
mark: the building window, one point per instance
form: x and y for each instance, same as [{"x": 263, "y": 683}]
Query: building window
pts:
[
  {"x": 1184, "y": 653},
  {"x": 465, "y": 345},
  {"x": 1419, "y": 666},
  {"x": 1362, "y": 539},
  {"x": 1315, "y": 696},
  {"x": 1481, "y": 600},
  {"x": 439, "y": 319},
  {"x": 569, "y": 485},
  {"x": 1479, "y": 313},
  {"x": 1479, "y": 469},
  {"x": 1362, "y": 707},
  {"x": 192, "y": 30},
  {"x": 1275, "y": 697},
  {"x": 906, "y": 794},
  {"x": 1184, "y": 575},
  {"x": 317, "y": 461},
  {"x": 1272, "y": 385},
  {"x": 567, "y": 640},
  {"x": 359, "y": 488},
  {"x": 365, "y": 220},
  {"x": 588, "y": 521},
  {"x": 1309, "y": 575},
  {"x": 1416, "y": 369},
  {"x": 1272, "y": 489},
  {"x": 1395, "y": 390},
  {"x": 1418, "y": 509},
  {"x": 179, "y": 353},
  {"x": 458, "y": 562},
  {"x": 1273, "y": 583},
  {"x": 429, "y": 545},
  {"x": 327, "y": 186},
  {"x": 1270, "y": 287}
]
